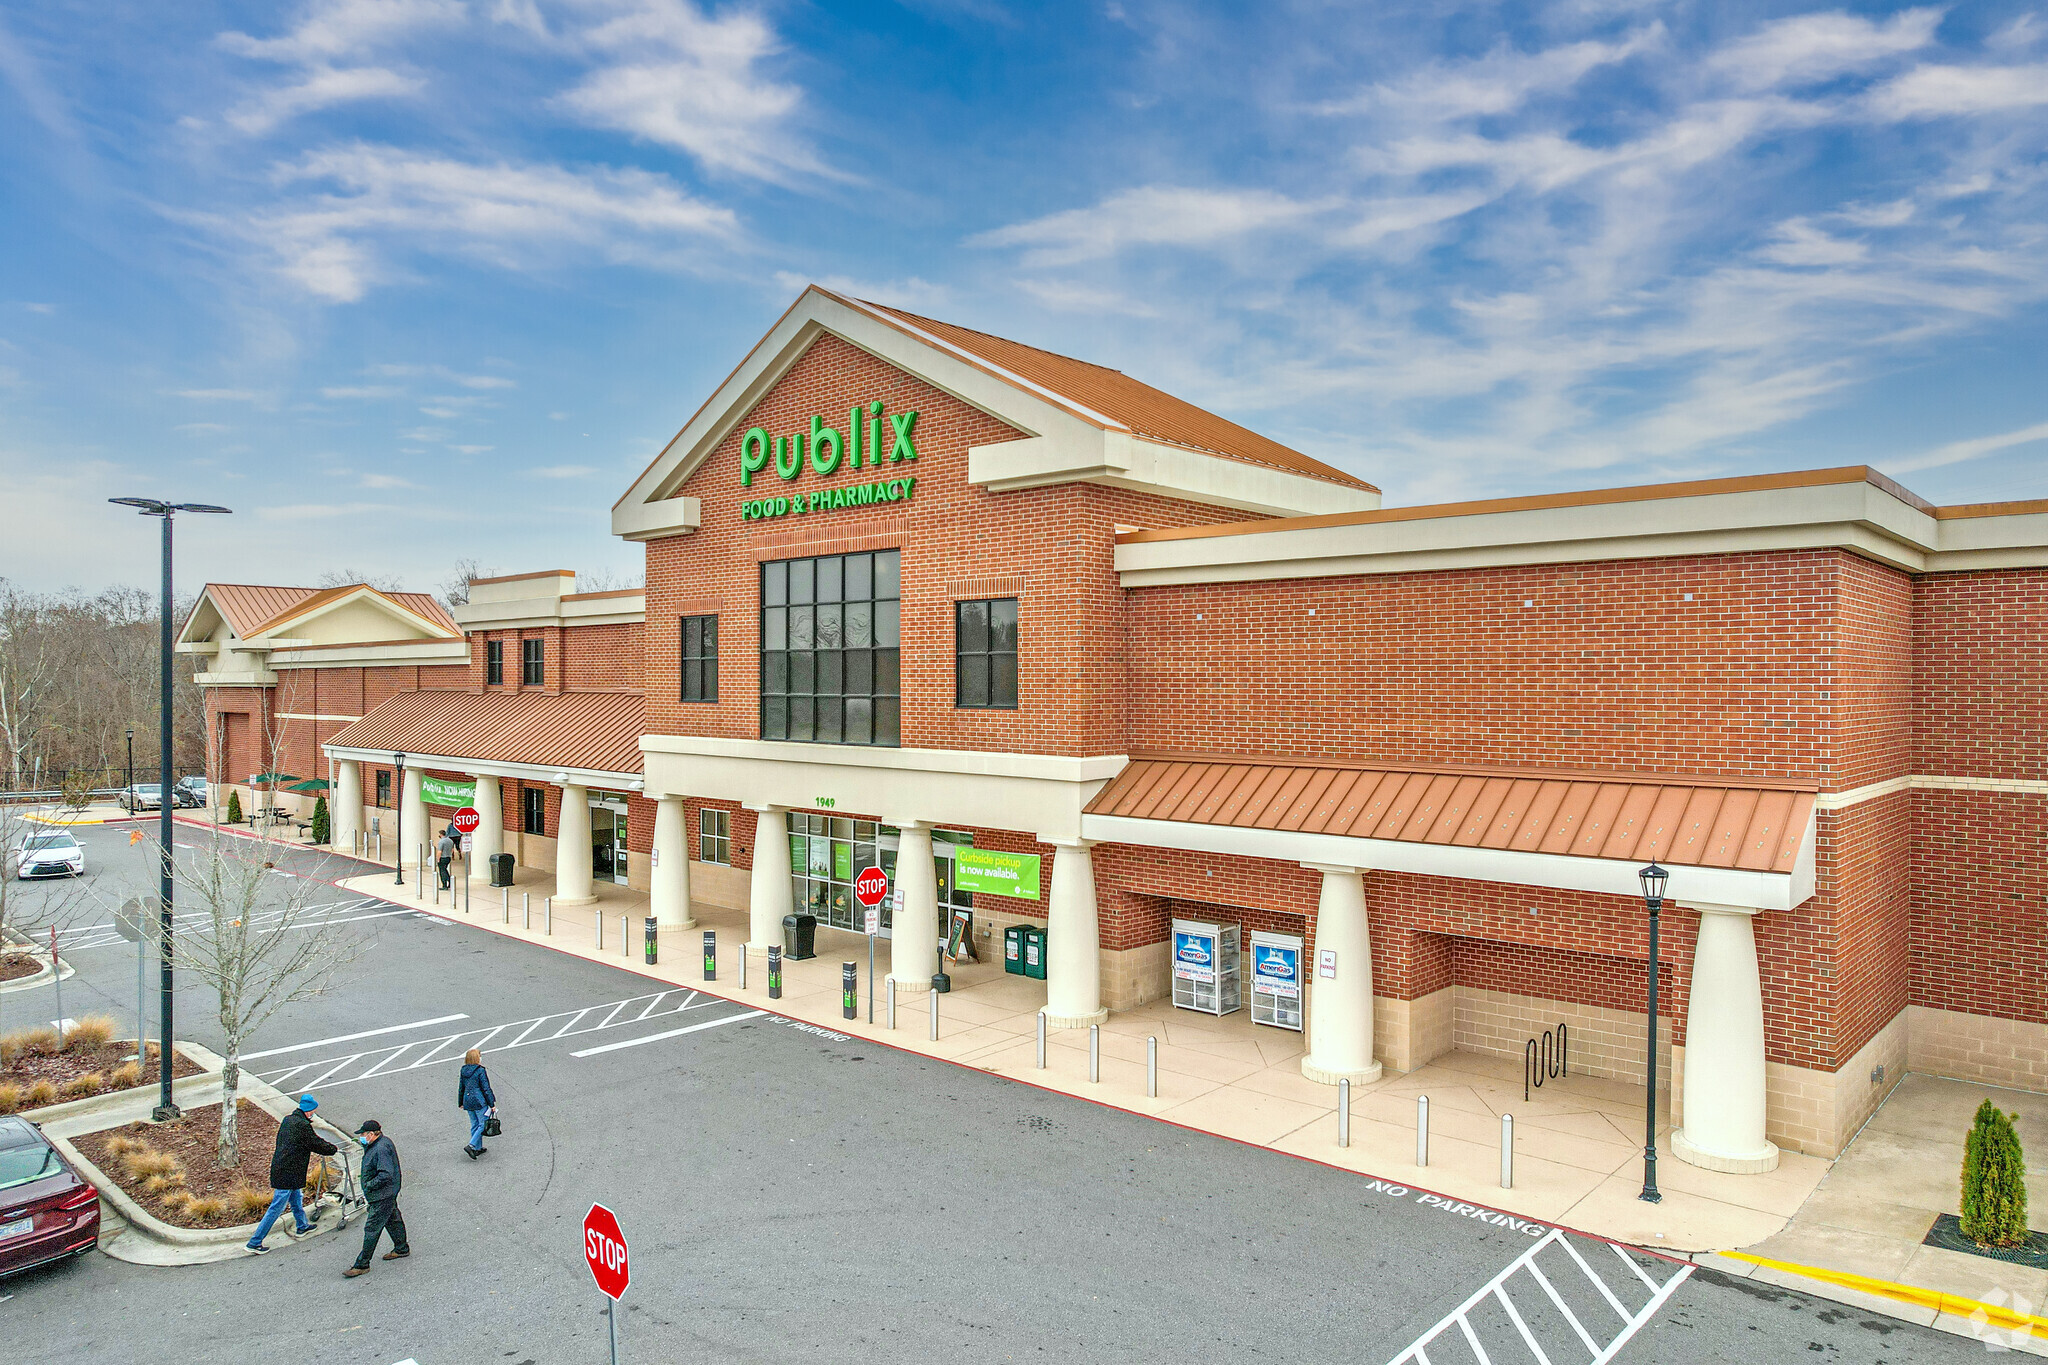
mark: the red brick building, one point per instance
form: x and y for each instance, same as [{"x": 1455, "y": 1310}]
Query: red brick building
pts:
[{"x": 994, "y": 618}]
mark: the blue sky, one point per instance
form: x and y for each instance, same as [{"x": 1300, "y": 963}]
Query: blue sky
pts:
[{"x": 410, "y": 281}]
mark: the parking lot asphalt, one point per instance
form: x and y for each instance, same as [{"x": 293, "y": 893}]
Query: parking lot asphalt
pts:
[{"x": 791, "y": 1194}]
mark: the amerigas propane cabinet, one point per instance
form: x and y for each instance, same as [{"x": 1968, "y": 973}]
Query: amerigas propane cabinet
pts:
[
  {"x": 1276, "y": 980},
  {"x": 1205, "y": 966}
]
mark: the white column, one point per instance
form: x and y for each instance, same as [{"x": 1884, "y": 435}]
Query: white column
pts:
[
  {"x": 412, "y": 817},
  {"x": 1073, "y": 942},
  {"x": 1724, "y": 1049},
  {"x": 1340, "y": 1005},
  {"x": 345, "y": 816},
  {"x": 572, "y": 848},
  {"x": 768, "y": 893},
  {"x": 490, "y": 835},
  {"x": 914, "y": 928},
  {"x": 670, "y": 877}
]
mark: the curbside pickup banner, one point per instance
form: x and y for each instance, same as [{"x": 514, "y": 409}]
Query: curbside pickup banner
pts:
[{"x": 998, "y": 874}]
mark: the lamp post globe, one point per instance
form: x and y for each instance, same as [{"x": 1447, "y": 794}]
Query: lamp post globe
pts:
[
  {"x": 1653, "y": 879},
  {"x": 398, "y": 862}
]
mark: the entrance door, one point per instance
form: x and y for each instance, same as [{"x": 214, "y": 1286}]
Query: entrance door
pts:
[{"x": 608, "y": 841}]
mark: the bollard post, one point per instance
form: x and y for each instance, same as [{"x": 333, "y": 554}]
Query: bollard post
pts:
[
  {"x": 1344, "y": 1112},
  {"x": 653, "y": 943},
  {"x": 1152, "y": 1068},
  {"x": 743, "y": 965},
  {"x": 1041, "y": 1040},
  {"x": 1507, "y": 1151},
  {"x": 419, "y": 886},
  {"x": 525, "y": 910},
  {"x": 1094, "y": 1053},
  {"x": 774, "y": 971},
  {"x": 892, "y": 1002},
  {"x": 547, "y": 917},
  {"x": 849, "y": 990},
  {"x": 625, "y": 934},
  {"x": 505, "y": 900},
  {"x": 1422, "y": 1130},
  {"x": 598, "y": 918},
  {"x": 935, "y": 1016},
  {"x": 711, "y": 955}
]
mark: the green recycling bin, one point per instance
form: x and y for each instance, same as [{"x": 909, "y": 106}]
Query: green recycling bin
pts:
[
  {"x": 1013, "y": 950},
  {"x": 1034, "y": 952}
]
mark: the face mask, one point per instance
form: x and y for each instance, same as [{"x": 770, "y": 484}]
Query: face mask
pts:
[{"x": 366, "y": 1139}]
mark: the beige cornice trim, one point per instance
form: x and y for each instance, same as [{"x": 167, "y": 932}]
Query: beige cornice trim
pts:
[{"x": 1856, "y": 796}]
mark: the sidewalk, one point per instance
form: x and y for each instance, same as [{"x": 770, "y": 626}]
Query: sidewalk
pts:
[{"x": 1852, "y": 1236}]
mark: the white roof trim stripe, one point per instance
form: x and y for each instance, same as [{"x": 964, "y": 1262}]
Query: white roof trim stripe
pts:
[{"x": 892, "y": 320}]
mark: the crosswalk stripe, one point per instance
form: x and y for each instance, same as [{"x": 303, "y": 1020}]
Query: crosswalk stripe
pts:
[{"x": 671, "y": 1033}]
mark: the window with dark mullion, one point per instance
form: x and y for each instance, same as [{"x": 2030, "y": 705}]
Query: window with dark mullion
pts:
[
  {"x": 985, "y": 653},
  {"x": 830, "y": 649},
  {"x": 494, "y": 662},
  {"x": 699, "y": 658},
  {"x": 531, "y": 672},
  {"x": 533, "y": 810}
]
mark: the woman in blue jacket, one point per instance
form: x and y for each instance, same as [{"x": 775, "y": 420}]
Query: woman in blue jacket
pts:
[{"x": 473, "y": 1093}]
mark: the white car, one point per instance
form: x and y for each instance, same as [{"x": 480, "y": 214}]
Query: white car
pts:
[{"x": 52, "y": 854}]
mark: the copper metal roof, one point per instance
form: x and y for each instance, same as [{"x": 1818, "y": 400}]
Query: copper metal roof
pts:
[
  {"x": 1140, "y": 407},
  {"x": 250, "y": 607},
  {"x": 1753, "y": 828},
  {"x": 594, "y": 730}
]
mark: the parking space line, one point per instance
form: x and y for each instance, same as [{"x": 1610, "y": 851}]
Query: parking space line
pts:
[
  {"x": 351, "y": 1037},
  {"x": 671, "y": 1033}
]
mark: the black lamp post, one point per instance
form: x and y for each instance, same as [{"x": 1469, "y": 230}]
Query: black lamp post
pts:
[
  {"x": 398, "y": 863},
  {"x": 152, "y": 507},
  {"x": 128, "y": 797},
  {"x": 1653, "y": 878}
]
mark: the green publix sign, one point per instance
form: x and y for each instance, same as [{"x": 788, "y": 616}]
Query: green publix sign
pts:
[{"x": 827, "y": 452}]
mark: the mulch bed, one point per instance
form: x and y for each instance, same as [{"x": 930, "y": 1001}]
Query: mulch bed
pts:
[
  {"x": 192, "y": 1139},
  {"x": 17, "y": 965},
  {"x": 58, "y": 1067}
]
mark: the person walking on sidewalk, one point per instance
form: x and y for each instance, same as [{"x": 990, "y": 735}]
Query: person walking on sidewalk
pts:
[
  {"x": 444, "y": 854},
  {"x": 296, "y": 1144},
  {"x": 381, "y": 1181},
  {"x": 473, "y": 1093}
]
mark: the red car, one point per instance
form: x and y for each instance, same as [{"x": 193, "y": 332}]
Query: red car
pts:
[{"x": 47, "y": 1211}]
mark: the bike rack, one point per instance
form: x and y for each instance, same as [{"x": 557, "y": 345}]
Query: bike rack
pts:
[{"x": 1548, "y": 1061}]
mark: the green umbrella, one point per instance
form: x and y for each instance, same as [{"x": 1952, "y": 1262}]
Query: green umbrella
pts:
[
  {"x": 314, "y": 784},
  {"x": 266, "y": 779}
]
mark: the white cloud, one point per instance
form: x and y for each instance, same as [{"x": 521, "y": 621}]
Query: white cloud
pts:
[
  {"x": 1808, "y": 48},
  {"x": 910, "y": 293},
  {"x": 219, "y": 395},
  {"x": 684, "y": 78},
  {"x": 1956, "y": 452},
  {"x": 1153, "y": 215},
  {"x": 1799, "y": 243},
  {"x": 387, "y": 481},
  {"x": 443, "y": 413},
  {"x": 363, "y": 391},
  {"x": 562, "y": 471},
  {"x": 484, "y": 381},
  {"x": 1075, "y": 296},
  {"x": 331, "y": 242},
  {"x": 1931, "y": 91},
  {"x": 471, "y": 450},
  {"x": 327, "y": 50},
  {"x": 325, "y": 511},
  {"x": 1501, "y": 81},
  {"x": 200, "y": 428}
]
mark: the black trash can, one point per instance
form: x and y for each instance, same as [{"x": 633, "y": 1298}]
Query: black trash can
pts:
[
  {"x": 799, "y": 936},
  {"x": 501, "y": 869}
]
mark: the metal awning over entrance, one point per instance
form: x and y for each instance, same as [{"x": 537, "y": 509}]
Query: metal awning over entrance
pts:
[
  {"x": 1746, "y": 843},
  {"x": 587, "y": 735}
]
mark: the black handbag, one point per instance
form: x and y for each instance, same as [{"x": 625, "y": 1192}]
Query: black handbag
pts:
[{"x": 492, "y": 1128}]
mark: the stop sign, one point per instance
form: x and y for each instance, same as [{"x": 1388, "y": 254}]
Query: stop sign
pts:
[
  {"x": 871, "y": 887},
  {"x": 467, "y": 819},
  {"x": 604, "y": 1247}
]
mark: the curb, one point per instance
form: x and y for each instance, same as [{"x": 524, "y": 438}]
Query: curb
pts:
[
  {"x": 209, "y": 1069},
  {"x": 43, "y": 973},
  {"x": 1952, "y": 1304}
]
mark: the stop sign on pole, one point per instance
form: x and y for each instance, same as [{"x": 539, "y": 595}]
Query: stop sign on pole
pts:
[
  {"x": 871, "y": 887},
  {"x": 604, "y": 1247},
  {"x": 467, "y": 820}
]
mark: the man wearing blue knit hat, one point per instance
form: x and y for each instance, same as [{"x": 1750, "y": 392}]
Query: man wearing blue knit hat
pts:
[{"x": 296, "y": 1144}]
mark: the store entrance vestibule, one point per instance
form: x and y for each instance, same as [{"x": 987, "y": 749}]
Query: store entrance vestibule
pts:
[
  {"x": 608, "y": 839},
  {"x": 826, "y": 852}
]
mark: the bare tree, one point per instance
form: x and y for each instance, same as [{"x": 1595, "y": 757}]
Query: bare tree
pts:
[
  {"x": 28, "y": 672},
  {"x": 607, "y": 580},
  {"x": 348, "y": 578},
  {"x": 258, "y": 942},
  {"x": 455, "y": 589},
  {"x": 31, "y": 910}
]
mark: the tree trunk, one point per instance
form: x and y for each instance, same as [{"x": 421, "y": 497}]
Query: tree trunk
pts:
[{"x": 228, "y": 1154}]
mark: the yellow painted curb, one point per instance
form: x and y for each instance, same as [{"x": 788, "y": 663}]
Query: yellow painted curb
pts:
[{"x": 1906, "y": 1293}]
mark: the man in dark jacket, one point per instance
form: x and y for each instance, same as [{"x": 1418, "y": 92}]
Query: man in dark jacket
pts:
[
  {"x": 381, "y": 1180},
  {"x": 444, "y": 854},
  {"x": 296, "y": 1144}
]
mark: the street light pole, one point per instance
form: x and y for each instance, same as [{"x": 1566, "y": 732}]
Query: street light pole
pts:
[
  {"x": 129, "y": 795},
  {"x": 153, "y": 507},
  {"x": 398, "y": 863},
  {"x": 1653, "y": 878}
]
